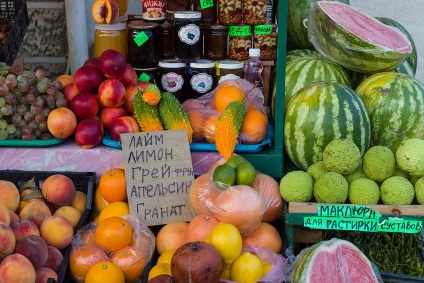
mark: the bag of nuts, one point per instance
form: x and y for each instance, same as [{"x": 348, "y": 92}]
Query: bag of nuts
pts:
[
  {"x": 265, "y": 38},
  {"x": 254, "y": 12},
  {"x": 240, "y": 42},
  {"x": 229, "y": 12}
]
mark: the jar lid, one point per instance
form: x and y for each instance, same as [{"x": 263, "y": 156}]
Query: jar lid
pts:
[
  {"x": 171, "y": 63},
  {"x": 187, "y": 15},
  {"x": 141, "y": 25},
  {"x": 203, "y": 63},
  {"x": 146, "y": 69},
  {"x": 115, "y": 26},
  {"x": 123, "y": 18},
  {"x": 216, "y": 27},
  {"x": 135, "y": 17},
  {"x": 230, "y": 64}
]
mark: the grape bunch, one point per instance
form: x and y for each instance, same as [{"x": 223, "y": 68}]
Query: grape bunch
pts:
[{"x": 25, "y": 102}]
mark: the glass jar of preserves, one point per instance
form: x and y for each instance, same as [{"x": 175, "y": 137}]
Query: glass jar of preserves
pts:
[
  {"x": 176, "y": 5},
  {"x": 228, "y": 69},
  {"x": 166, "y": 41},
  {"x": 215, "y": 38},
  {"x": 172, "y": 74},
  {"x": 230, "y": 12},
  {"x": 240, "y": 42},
  {"x": 122, "y": 6},
  {"x": 110, "y": 36},
  {"x": 265, "y": 38},
  {"x": 202, "y": 77},
  {"x": 142, "y": 44},
  {"x": 254, "y": 12},
  {"x": 187, "y": 35},
  {"x": 154, "y": 11},
  {"x": 208, "y": 9},
  {"x": 148, "y": 75}
]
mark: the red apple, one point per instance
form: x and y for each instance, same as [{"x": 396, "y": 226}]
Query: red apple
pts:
[
  {"x": 122, "y": 125},
  {"x": 94, "y": 62},
  {"x": 69, "y": 91},
  {"x": 130, "y": 76},
  {"x": 88, "y": 78},
  {"x": 112, "y": 93},
  {"x": 112, "y": 64},
  {"x": 89, "y": 133},
  {"x": 109, "y": 114},
  {"x": 143, "y": 85},
  {"x": 84, "y": 105}
]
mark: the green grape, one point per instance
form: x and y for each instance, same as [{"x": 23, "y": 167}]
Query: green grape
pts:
[
  {"x": 42, "y": 86},
  {"x": 2, "y": 102},
  {"x": 11, "y": 129},
  {"x": 3, "y": 124},
  {"x": 3, "y": 134}
]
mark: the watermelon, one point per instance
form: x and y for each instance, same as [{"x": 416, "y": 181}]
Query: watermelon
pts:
[
  {"x": 297, "y": 34},
  {"x": 334, "y": 260},
  {"x": 412, "y": 59},
  {"x": 395, "y": 103},
  {"x": 356, "y": 40},
  {"x": 320, "y": 113},
  {"x": 298, "y": 53}
]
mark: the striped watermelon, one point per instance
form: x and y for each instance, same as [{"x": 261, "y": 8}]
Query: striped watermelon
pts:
[
  {"x": 395, "y": 102},
  {"x": 320, "y": 113},
  {"x": 356, "y": 40},
  {"x": 298, "y": 53},
  {"x": 297, "y": 34}
]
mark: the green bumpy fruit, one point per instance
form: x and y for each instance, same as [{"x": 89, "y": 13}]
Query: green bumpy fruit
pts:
[
  {"x": 296, "y": 186},
  {"x": 410, "y": 157},
  {"x": 316, "y": 170},
  {"x": 341, "y": 156},
  {"x": 364, "y": 191},
  {"x": 357, "y": 174},
  {"x": 379, "y": 163},
  {"x": 332, "y": 187},
  {"x": 397, "y": 191},
  {"x": 419, "y": 190}
]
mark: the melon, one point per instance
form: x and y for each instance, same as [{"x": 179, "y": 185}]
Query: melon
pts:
[
  {"x": 334, "y": 260},
  {"x": 320, "y": 113},
  {"x": 356, "y": 40},
  {"x": 298, "y": 53},
  {"x": 395, "y": 103}
]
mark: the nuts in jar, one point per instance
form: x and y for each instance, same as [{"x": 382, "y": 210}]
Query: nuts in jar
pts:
[
  {"x": 240, "y": 42},
  {"x": 230, "y": 12},
  {"x": 265, "y": 38},
  {"x": 254, "y": 12}
]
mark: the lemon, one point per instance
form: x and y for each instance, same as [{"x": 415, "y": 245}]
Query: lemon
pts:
[
  {"x": 267, "y": 266},
  {"x": 166, "y": 256},
  {"x": 245, "y": 174},
  {"x": 118, "y": 209},
  {"x": 224, "y": 174},
  {"x": 158, "y": 269},
  {"x": 225, "y": 273},
  {"x": 246, "y": 268},
  {"x": 235, "y": 160},
  {"x": 227, "y": 240}
]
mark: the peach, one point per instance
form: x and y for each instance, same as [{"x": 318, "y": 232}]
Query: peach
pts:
[
  {"x": 93, "y": 61},
  {"x": 36, "y": 212},
  {"x": 59, "y": 190},
  {"x": 70, "y": 213},
  {"x": 24, "y": 203},
  {"x": 80, "y": 201},
  {"x": 122, "y": 125},
  {"x": 54, "y": 259},
  {"x": 57, "y": 231},
  {"x": 88, "y": 79},
  {"x": 112, "y": 93},
  {"x": 65, "y": 79},
  {"x": 4, "y": 214},
  {"x": 131, "y": 91},
  {"x": 105, "y": 11},
  {"x": 52, "y": 207},
  {"x": 24, "y": 228},
  {"x": 112, "y": 64},
  {"x": 13, "y": 217},
  {"x": 69, "y": 91},
  {"x": 89, "y": 133},
  {"x": 7, "y": 241},
  {"x": 17, "y": 268},
  {"x": 84, "y": 105},
  {"x": 109, "y": 114},
  {"x": 61, "y": 122},
  {"x": 33, "y": 248},
  {"x": 9, "y": 195},
  {"x": 43, "y": 274},
  {"x": 130, "y": 77}
]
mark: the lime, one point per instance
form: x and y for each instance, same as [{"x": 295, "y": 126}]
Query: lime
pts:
[
  {"x": 235, "y": 160},
  {"x": 245, "y": 174},
  {"x": 224, "y": 174}
]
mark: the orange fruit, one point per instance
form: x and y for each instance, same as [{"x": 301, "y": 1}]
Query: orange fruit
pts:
[
  {"x": 99, "y": 202},
  {"x": 254, "y": 127},
  {"x": 113, "y": 233},
  {"x": 200, "y": 227},
  {"x": 112, "y": 185},
  {"x": 131, "y": 261},
  {"x": 105, "y": 272},
  {"x": 202, "y": 194},
  {"x": 82, "y": 258},
  {"x": 209, "y": 127},
  {"x": 197, "y": 122},
  {"x": 226, "y": 94},
  {"x": 119, "y": 209},
  {"x": 269, "y": 189},
  {"x": 171, "y": 236},
  {"x": 266, "y": 236}
]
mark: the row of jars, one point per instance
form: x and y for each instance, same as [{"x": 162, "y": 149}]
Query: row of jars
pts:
[{"x": 226, "y": 12}]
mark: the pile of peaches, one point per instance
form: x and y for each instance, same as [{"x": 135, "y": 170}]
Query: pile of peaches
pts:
[
  {"x": 36, "y": 225},
  {"x": 100, "y": 97}
]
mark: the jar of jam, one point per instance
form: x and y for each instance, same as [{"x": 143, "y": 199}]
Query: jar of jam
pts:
[
  {"x": 240, "y": 42},
  {"x": 172, "y": 74},
  {"x": 215, "y": 38},
  {"x": 110, "y": 36},
  {"x": 265, "y": 38},
  {"x": 208, "y": 8},
  {"x": 142, "y": 44},
  {"x": 254, "y": 12},
  {"x": 230, "y": 12},
  {"x": 148, "y": 75},
  {"x": 229, "y": 68},
  {"x": 122, "y": 6},
  {"x": 154, "y": 11},
  {"x": 202, "y": 77},
  {"x": 176, "y": 5},
  {"x": 166, "y": 41},
  {"x": 187, "y": 35}
]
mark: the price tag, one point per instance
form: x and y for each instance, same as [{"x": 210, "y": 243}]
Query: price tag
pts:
[
  {"x": 240, "y": 31},
  {"x": 206, "y": 4},
  {"x": 263, "y": 29},
  {"x": 144, "y": 77},
  {"x": 141, "y": 38}
]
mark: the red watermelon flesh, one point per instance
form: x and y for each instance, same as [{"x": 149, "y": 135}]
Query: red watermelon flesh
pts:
[{"x": 366, "y": 27}]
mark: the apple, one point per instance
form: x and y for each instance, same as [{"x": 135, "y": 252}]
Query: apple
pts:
[
  {"x": 89, "y": 133},
  {"x": 112, "y": 93},
  {"x": 109, "y": 114},
  {"x": 122, "y": 125},
  {"x": 112, "y": 64},
  {"x": 88, "y": 78},
  {"x": 130, "y": 76},
  {"x": 84, "y": 105}
]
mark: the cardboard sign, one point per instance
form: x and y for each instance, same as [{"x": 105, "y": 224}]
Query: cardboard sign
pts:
[{"x": 159, "y": 173}]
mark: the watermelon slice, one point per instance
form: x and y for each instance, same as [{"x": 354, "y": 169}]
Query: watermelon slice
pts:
[{"x": 356, "y": 40}]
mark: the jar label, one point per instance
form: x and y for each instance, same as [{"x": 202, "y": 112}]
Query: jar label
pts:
[
  {"x": 202, "y": 82},
  {"x": 141, "y": 38},
  {"x": 206, "y": 3},
  {"x": 189, "y": 34},
  {"x": 263, "y": 29},
  {"x": 154, "y": 9},
  {"x": 240, "y": 31},
  {"x": 172, "y": 82}
]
